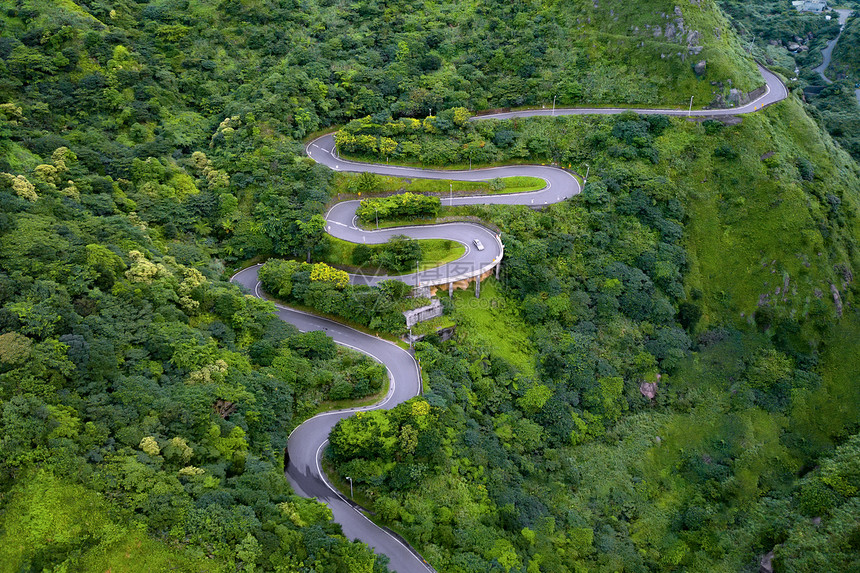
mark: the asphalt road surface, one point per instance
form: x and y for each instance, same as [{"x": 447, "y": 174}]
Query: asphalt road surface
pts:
[
  {"x": 307, "y": 442},
  {"x": 341, "y": 219},
  {"x": 775, "y": 91},
  {"x": 827, "y": 52}
]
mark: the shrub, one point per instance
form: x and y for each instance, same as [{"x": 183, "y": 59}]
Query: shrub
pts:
[
  {"x": 404, "y": 205},
  {"x": 725, "y": 151}
]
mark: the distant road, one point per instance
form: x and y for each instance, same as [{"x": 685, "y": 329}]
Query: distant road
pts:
[
  {"x": 827, "y": 52},
  {"x": 775, "y": 91},
  {"x": 306, "y": 443}
]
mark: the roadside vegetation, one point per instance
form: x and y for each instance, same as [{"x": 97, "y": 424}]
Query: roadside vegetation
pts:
[
  {"x": 145, "y": 402},
  {"x": 370, "y": 183},
  {"x": 846, "y": 59},
  {"x": 643, "y": 348},
  {"x": 777, "y": 26},
  {"x": 397, "y": 256},
  {"x": 328, "y": 291}
]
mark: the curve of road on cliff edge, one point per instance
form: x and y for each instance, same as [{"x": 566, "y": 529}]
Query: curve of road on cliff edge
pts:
[{"x": 308, "y": 440}]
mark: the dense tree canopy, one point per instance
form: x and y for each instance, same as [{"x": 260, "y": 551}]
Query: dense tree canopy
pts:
[{"x": 148, "y": 149}]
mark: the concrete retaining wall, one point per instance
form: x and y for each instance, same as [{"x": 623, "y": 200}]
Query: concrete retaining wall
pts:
[{"x": 423, "y": 313}]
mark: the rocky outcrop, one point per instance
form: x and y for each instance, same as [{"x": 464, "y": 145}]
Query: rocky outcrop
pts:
[
  {"x": 765, "y": 564},
  {"x": 649, "y": 389},
  {"x": 676, "y": 31},
  {"x": 700, "y": 68},
  {"x": 837, "y": 300},
  {"x": 735, "y": 98}
]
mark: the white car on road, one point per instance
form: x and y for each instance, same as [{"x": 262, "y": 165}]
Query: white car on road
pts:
[{"x": 479, "y": 245}]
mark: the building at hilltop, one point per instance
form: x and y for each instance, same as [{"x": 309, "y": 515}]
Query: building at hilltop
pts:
[{"x": 814, "y": 6}]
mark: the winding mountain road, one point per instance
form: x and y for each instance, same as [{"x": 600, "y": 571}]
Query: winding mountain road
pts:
[
  {"x": 307, "y": 441},
  {"x": 827, "y": 52}
]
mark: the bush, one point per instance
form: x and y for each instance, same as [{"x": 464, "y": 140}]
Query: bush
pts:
[
  {"x": 405, "y": 205},
  {"x": 400, "y": 253},
  {"x": 361, "y": 254},
  {"x": 805, "y": 168},
  {"x": 712, "y": 126},
  {"x": 725, "y": 151},
  {"x": 340, "y": 391}
]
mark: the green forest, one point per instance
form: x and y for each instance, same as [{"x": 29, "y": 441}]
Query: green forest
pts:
[
  {"x": 664, "y": 378},
  {"x": 558, "y": 456},
  {"x": 772, "y": 25}
]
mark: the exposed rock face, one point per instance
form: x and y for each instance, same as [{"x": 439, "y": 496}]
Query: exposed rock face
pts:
[
  {"x": 676, "y": 30},
  {"x": 837, "y": 300},
  {"x": 735, "y": 96},
  {"x": 766, "y": 563},
  {"x": 648, "y": 389},
  {"x": 670, "y": 31},
  {"x": 700, "y": 68},
  {"x": 794, "y": 46}
]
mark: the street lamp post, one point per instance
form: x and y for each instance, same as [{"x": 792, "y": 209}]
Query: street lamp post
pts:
[
  {"x": 376, "y": 209},
  {"x": 452, "y": 193},
  {"x": 553, "y": 105},
  {"x": 350, "y": 486},
  {"x": 587, "y": 170},
  {"x": 690, "y": 111}
]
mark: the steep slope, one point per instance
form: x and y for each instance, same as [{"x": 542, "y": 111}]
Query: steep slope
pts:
[
  {"x": 846, "y": 54},
  {"x": 648, "y": 53},
  {"x": 149, "y": 145}
]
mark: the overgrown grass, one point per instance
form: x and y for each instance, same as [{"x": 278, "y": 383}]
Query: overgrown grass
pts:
[
  {"x": 45, "y": 514},
  {"x": 625, "y": 31},
  {"x": 434, "y": 252},
  {"x": 433, "y": 325},
  {"x": 828, "y": 413},
  {"x": 756, "y": 226},
  {"x": 349, "y": 183},
  {"x": 493, "y": 322},
  {"x": 517, "y": 184}
]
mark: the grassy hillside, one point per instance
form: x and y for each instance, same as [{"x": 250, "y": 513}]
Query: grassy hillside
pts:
[
  {"x": 635, "y": 40},
  {"x": 701, "y": 258},
  {"x": 145, "y": 147},
  {"x": 777, "y": 212},
  {"x": 846, "y": 54}
]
